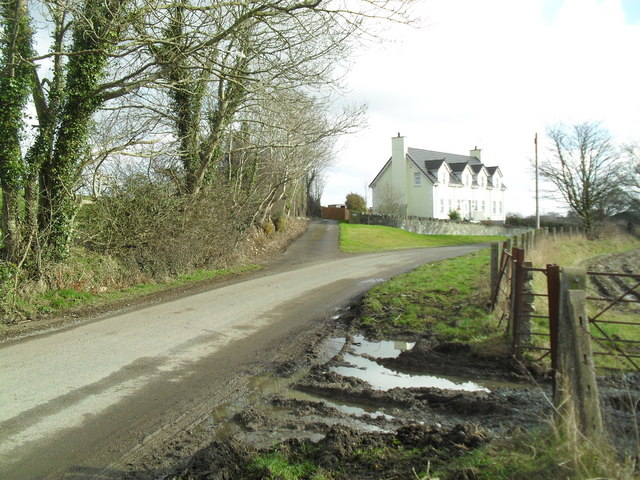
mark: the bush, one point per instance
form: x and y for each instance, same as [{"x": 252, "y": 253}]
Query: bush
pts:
[
  {"x": 148, "y": 226},
  {"x": 454, "y": 215},
  {"x": 280, "y": 223},
  {"x": 269, "y": 228}
]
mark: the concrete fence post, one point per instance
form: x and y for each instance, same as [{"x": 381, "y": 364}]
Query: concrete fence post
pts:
[{"x": 576, "y": 394}]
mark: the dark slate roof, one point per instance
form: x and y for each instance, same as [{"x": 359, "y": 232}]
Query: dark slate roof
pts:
[
  {"x": 419, "y": 156},
  {"x": 457, "y": 167},
  {"x": 433, "y": 165}
]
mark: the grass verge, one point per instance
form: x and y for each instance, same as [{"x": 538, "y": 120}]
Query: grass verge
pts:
[
  {"x": 356, "y": 238},
  {"x": 64, "y": 299},
  {"x": 537, "y": 455},
  {"x": 448, "y": 298}
]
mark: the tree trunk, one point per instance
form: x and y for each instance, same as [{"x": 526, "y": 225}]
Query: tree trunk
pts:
[{"x": 15, "y": 86}]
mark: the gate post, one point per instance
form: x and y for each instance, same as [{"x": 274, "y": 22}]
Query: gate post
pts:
[
  {"x": 495, "y": 265},
  {"x": 517, "y": 285},
  {"x": 553, "y": 293},
  {"x": 576, "y": 393}
]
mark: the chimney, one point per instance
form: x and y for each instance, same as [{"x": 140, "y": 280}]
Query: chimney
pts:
[
  {"x": 476, "y": 152},
  {"x": 399, "y": 167}
]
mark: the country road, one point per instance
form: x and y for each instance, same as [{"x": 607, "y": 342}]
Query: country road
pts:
[{"x": 92, "y": 400}]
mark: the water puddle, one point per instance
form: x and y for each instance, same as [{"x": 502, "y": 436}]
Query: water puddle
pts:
[
  {"x": 381, "y": 349},
  {"x": 358, "y": 361},
  {"x": 359, "y": 365}
]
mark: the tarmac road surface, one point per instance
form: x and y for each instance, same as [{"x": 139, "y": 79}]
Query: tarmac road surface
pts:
[{"x": 94, "y": 399}]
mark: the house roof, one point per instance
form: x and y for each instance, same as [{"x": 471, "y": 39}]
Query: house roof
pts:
[
  {"x": 430, "y": 161},
  {"x": 420, "y": 156}
]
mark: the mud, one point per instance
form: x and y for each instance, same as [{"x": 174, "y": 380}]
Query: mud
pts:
[{"x": 319, "y": 416}]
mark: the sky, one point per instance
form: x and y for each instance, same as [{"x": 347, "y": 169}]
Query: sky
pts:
[{"x": 492, "y": 74}]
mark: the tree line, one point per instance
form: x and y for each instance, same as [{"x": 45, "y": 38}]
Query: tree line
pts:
[{"x": 156, "y": 113}]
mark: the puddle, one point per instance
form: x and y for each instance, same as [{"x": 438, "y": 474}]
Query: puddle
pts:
[
  {"x": 359, "y": 362},
  {"x": 221, "y": 420},
  {"x": 382, "y": 378},
  {"x": 382, "y": 349}
]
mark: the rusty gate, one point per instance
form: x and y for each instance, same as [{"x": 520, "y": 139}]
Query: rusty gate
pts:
[{"x": 510, "y": 299}]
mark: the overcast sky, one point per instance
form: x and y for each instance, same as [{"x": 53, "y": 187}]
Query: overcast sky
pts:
[{"x": 491, "y": 74}]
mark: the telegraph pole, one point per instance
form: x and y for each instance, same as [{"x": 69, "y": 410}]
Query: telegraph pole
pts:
[{"x": 535, "y": 141}]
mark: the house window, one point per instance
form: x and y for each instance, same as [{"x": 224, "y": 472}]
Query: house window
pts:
[
  {"x": 441, "y": 206},
  {"x": 483, "y": 205},
  {"x": 482, "y": 181},
  {"x": 449, "y": 204},
  {"x": 497, "y": 183},
  {"x": 416, "y": 178},
  {"x": 494, "y": 207},
  {"x": 500, "y": 204},
  {"x": 458, "y": 204}
]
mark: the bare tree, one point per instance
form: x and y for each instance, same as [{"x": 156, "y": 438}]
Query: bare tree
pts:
[
  {"x": 632, "y": 174},
  {"x": 388, "y": 202},
  {"x": 584, "y": 169}
]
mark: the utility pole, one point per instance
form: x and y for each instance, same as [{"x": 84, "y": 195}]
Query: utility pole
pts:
[{"x": 535, "y": 141}]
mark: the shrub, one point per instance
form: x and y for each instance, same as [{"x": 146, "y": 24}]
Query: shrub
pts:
[
  {"x": 149, "y": 226},
  {"x": 454, "y": 215},
  {"x": 280, "y": 223}
]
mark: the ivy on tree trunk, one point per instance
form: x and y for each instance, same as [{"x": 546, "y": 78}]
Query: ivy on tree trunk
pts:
[{"x": 15, "y": 86}]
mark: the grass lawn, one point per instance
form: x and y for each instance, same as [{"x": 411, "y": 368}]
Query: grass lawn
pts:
[{"x": 374, "y": 238}]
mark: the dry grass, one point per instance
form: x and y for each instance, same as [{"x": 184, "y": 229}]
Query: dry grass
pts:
[
  {"x": 581, "y": 252},
  {"x": 578, "y": 250}
]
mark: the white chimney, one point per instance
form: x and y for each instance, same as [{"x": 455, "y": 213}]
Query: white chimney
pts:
[
  {"x": 399, "y": 180},
  {"x": 476, "y": 152}
]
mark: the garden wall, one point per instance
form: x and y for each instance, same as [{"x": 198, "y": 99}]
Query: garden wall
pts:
[{"x": 429, "y": 226}]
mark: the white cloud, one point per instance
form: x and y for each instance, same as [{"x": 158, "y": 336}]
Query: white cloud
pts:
[{"x": 492, "y": 74}]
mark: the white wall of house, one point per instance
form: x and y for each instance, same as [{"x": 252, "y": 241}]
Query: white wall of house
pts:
[
  {"x": 382, "y": 182},
  {"x": 420, "y": 193}
]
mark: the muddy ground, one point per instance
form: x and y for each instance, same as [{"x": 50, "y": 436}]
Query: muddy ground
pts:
[{"x": 363, "y": 409}]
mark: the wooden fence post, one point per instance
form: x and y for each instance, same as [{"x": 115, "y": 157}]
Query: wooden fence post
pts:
[
  {"x": 576, "y": 393},
  {"x": 517, "y": 285},
  {"x": 553, "y": 292},
  {"x": 495, "y": 265}
]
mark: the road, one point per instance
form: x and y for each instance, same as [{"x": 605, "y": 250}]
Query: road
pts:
[{"x": 92, "y": 400}]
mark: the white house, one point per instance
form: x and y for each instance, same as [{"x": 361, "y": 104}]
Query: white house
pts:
[{"x": 430, "y": 184}]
